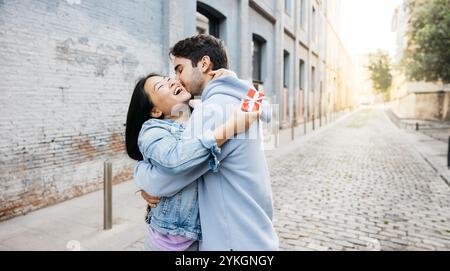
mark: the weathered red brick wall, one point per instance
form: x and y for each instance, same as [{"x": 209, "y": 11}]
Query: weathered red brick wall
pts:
[{"x": 67, "y": 72}]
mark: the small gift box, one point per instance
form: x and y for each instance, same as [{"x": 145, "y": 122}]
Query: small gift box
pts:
[{"x": 253, "y": 100}]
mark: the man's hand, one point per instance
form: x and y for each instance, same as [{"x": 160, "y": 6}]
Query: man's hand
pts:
[
  {"x": 151, "y": 200},
  {"x": 222, "y": 73}
]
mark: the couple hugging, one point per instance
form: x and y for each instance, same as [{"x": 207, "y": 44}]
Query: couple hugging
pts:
[{"x": 201, "y": 168}]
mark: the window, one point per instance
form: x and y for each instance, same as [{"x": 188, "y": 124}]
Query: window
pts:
[
  {"x": 302, "y": 13},
  {"x": 318, "y": 26},
  {"x": 202, "y": 24},
  {"x": 302, "y": 74},
  {"x": 311, "y": 97},
  {"x": 301, "y": 94},
  {"x": 257, "y": 52},
  {"x": 286, "y": 70},
  {"x": 313, "y": 24},
  {"x": 287, "y": 6},
  {"x": 209, "y": 20}
]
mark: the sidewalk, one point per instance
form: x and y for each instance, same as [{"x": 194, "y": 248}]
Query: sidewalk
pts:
[
  {"x": 439, "y": 130},
  {"x": 77, "y": 224},
  {"x": 431, "y": 140},
  {"x": 434, "y": 151}
]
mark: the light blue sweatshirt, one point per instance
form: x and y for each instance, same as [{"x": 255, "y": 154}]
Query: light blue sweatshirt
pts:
[{"x": 235, "y": 203}]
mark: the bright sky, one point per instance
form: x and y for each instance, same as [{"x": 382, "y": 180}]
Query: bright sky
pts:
[{"x": 366, "y": 25}]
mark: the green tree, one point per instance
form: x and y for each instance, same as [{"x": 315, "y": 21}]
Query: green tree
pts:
[
  {"x": 380, "y": 71},
  {"x": 427, "y": 55}
]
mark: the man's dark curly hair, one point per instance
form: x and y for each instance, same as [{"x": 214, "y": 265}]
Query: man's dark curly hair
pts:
[{"x": 196, "y": 47}]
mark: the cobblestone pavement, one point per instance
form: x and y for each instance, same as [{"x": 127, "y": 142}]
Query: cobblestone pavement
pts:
[{"x": 359, "y": 186}]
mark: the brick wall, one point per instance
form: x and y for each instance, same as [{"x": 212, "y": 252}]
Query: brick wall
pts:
[{"x": 66, "y": 76}]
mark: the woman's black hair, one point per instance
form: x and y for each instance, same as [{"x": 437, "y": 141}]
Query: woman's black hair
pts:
[{"x": 138, "y": 113}]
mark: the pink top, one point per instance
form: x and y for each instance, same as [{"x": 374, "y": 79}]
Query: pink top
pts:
[{"x": 168, "y": 242}]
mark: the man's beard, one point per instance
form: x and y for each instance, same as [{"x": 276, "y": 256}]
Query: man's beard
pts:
[{"x": 197, "y": 84}]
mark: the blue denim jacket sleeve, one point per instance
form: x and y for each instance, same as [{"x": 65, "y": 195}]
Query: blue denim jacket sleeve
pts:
[
  {"x": 174, "y": 155},
  {"x": 157, "y": 182}
]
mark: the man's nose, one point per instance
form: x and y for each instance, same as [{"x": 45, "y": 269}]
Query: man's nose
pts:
[{"x": 180, "y": 82}]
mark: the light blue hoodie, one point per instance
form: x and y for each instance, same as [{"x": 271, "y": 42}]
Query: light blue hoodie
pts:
[{"x": 235, "y": 203}]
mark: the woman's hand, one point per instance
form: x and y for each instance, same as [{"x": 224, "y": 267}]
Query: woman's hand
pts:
[
  {"x": 222, "y": 73},
  {"x": 195, "y": 102},
  {"x": 152, "y": 201},
  {"x": 238, "y": 123}
]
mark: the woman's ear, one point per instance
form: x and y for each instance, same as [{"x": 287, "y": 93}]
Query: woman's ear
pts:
[
  {"x": 206, "y": 64},
  {"x": 156, "y": 113}
]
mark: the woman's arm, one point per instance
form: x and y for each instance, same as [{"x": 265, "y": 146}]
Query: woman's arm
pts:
[
  {"x": 156, "y": 182},
  {"x": 173, "y": 155},
  {"x": 238, "y": 123},
  {"x": 161, "y": 148}
]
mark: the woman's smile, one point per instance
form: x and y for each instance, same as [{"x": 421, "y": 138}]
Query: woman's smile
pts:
[{"x": 166, "y": 93}]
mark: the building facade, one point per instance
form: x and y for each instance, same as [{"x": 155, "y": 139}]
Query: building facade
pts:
[
  {"x": 415, "y": 100},
  {"x": 69, "y": 67}
]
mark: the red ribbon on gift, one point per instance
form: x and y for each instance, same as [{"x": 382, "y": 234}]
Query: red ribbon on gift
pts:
[{"x": 253, "y": 101}]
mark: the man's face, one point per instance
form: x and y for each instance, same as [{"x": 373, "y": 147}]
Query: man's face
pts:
[{"x": 191, "y": 78}]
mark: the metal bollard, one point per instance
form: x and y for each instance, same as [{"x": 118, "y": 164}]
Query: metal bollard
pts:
[
  {"x": 304, "y": 125},
  {"x": 277, "y": 130},
  {"x": 313, "y": 121},
  {"x": 293, "y": 129},
  {"x": 448, "y": 153},
  {"x": 107, "y": 196}
]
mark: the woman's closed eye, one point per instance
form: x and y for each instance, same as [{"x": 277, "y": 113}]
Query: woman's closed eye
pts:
[{"x": 161, "y": 83}]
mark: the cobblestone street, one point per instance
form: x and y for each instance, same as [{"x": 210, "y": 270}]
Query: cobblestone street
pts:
[{"x": 360, "y": 186}]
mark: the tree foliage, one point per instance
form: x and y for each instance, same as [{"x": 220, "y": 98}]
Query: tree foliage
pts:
[
  {"x": 427, "y": 55},
  {"x": 380, "y": 71}
]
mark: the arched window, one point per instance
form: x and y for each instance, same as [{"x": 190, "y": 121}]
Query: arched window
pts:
[{"x": 209, "y": 20}]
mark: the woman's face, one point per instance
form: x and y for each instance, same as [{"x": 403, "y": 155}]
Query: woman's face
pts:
[{"x": 165, "y": 93}]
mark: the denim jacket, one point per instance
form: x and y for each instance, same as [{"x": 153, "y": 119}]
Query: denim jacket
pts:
[{"x": 161, "y": 145}]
